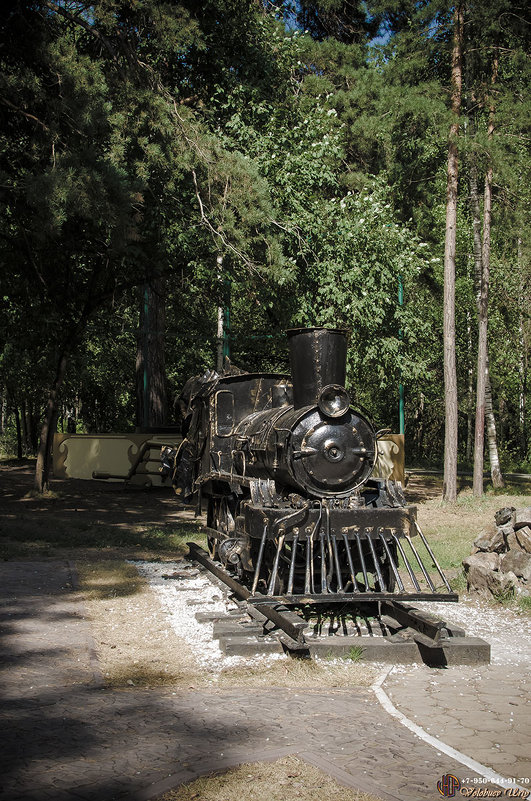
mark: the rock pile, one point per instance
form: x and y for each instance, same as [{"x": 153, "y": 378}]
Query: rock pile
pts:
[{"x": 500, "y": 563}]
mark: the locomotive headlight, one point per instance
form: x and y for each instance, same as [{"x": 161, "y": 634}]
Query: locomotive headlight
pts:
[{"x": 333, "y": 400}]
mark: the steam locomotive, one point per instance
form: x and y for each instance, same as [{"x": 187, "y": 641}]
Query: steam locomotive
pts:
[{"x": 296, "y": 507}]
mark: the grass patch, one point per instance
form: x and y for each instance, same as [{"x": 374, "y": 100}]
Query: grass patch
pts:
[
  {"x": 38, "y": 537},
  {"x": 458, "y": 583},
  {"x": 300, "y": 673},
  {"x": 452, "y": 528},
  {"x": 135, "y": 643},
  {"x": 108, "y": 579},
  {"x": 524, "y": 604},
  {"x": 355, "y": 654},
  {"x": 504, "y": 597},
  {"x": 48, "y": 495},
  {"x": 283, "y": 779}
]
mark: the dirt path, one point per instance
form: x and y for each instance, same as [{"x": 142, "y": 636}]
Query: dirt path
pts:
[
  {"x": 147, "y": 700},
  {"x": 110, "y": 504}
]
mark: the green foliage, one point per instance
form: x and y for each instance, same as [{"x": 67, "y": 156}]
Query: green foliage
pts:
[
  {"x": 139, "y": 141},
  {"x": 524, "y": 604},
  {"x": 355, "y": 654}
]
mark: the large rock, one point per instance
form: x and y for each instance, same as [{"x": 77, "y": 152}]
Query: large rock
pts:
[
  {"x": 491, "y": 539},
  {"x": 512, "y": 542},
  {"x": 522, "y": 517},
  {"x": 506, "y": 530},
  {"x": 505, "y": 515},
  {"x": 482, "y": 574},
  {"x": 489, "y": 561},
  {"x": 519, "y": 589},
  {"x": 519, "y": 562},
  {"x": 523, "y": 536}
]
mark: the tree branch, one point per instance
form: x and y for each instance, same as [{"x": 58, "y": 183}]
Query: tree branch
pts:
[
  {"x": 90, "y": 29},
  {"x": 12, "y": 106}
]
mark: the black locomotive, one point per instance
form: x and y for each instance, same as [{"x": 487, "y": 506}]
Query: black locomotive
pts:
[{"x": 287, "y": 467}]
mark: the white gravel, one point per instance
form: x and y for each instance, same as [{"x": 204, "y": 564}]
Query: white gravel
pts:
[
  {"x": 183, "y": 598},
  {"x": 508, "y": 632}
]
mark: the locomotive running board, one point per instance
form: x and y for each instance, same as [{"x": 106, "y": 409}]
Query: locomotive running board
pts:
[{"x": 350, "y": 597}]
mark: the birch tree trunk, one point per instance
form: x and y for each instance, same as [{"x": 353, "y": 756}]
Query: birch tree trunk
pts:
[
  {"x": 450, "y": 370},
  {"x": 522, "y": 366},
  {"x": 492, "y": 439},
  {"x": 484, "y": 411},
  {"x": 219, "y": 360}
]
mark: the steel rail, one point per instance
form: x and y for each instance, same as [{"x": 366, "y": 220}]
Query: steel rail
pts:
[{"x": 290, "y": 623}]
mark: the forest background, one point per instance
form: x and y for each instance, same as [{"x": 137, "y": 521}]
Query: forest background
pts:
[{"x": 292, "y": 164}]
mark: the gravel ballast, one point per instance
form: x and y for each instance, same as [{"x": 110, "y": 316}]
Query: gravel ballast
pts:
[{"x": 190, "y": 591}]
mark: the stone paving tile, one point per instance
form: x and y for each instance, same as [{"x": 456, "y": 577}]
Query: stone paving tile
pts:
[
  {"x": 490, "y": 703},
  {"x": 64, "y": 737}
]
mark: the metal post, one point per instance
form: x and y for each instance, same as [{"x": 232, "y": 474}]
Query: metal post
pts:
[
  {"x": 145, "y": 351},
  {"x": 220, "y": 337},
  {"x": 401, "y": 414},
  {"x": 226, "y": 318}
]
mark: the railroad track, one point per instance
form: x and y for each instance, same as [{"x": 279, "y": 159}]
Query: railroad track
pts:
[{"x": 381, "y": 631}]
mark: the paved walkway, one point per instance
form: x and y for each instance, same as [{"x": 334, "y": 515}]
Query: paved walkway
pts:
[{"x": 64, "y": 737}]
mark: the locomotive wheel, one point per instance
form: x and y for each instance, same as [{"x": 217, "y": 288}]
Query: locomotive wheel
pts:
[{"x": 221, "y": 512}]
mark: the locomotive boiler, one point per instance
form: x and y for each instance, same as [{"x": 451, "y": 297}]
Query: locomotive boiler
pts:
[{"x": 297, "y": 507}]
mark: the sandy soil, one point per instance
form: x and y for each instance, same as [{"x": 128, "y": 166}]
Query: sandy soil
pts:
[{"x": 135, "y": 639}]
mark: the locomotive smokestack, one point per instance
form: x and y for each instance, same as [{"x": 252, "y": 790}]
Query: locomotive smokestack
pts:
[{"x": 318, "y": 357}]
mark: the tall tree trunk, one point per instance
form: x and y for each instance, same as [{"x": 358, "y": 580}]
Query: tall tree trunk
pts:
[
  {"x": 483, "y": 392},
  {"x": 418, "y": 428},
  {"x": 450, "y": 370},
  {"x": 522, "y": 365},
  {"x": 221, "y": 314},
  {"x": 150, "y": 362},
  {"x": 19, "y": 431},
  {"x": 3, "y": 403},
  {"x": 42, "y": 468},
  {"x": 33, "y": 423},
  {"x": 482, "y": 302},
  {"x": 470, "y": 394},
  {"x": 25, "y": 430},
  {"x": 492, "y": 440}
]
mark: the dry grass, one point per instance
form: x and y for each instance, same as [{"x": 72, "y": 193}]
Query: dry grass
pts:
[
  {"x": 137, "y": 646},
  {"x": 287, "y": 778},
  {"x": 135, "y": 643},
  {"x": 452, "y": 528},
  {"x": 307, "y": 673}
]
